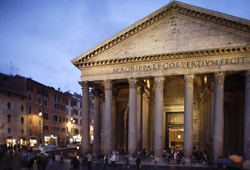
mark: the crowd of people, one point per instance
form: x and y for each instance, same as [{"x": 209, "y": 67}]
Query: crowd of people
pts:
[{"x": 27, "y": 158}]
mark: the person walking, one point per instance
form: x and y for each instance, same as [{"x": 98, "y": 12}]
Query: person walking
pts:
[
  {"x": 126, "y": 162},
  {"x": 75, "y": 163},
  {"x": 90, "y": 158},
  {"x": 105, "y": 162},
  {"x": 138, "y": 160},
  {"x": 113, "y": 159},
  {"x": 156, "y": 159}
]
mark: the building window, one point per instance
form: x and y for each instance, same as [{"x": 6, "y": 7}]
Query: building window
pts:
[
  {"x": 22, "y": 108},
  {"x": 29, "y": 87},
  {"x": 30, "y": 132},
  {"x": 22, "y": 120},
  {"x": 30, "y": 109},
  {"x": 80, "y": 122},
  {"x": 46, "y": 116},
  {"x": 76, "y": 121},
  {"x": 40, "y": 132},
  {"x": 38, "y": 90},
  {"x": 63, "y": 130},
  {"x": 56, "y": 118},
  {"x": 58, "y": 129},
  {"x": 54, "y": 105},
  {"x": 55, "y": 97},
  {"x": 29, "y": 97},
  {"x": 30, "y": 121},
  {"x": 66, "y": 120},
  {"x": 9, "y": 105},
  {"x": 76, "y": 131},
  {"x": 9, "y": 118},
  {"x": 40, "y": 122},
  {"x": 22, "y": 131},
  {"x": 39, "y": 100},
  {"x": 46, "y": 128},
  {"x": 9, "y": 130},
  {"x": 54, "y": 129},
  {"x": 63, "y": 119},
  {"x": 45, "y": 102}
]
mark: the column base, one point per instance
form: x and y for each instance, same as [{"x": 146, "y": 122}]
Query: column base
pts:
[
  {"x": 246, "y": 164},
  {"x": 187, "y": 161}
]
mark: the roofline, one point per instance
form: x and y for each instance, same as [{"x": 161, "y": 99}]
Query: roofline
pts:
[{"x": 164, "y": 11}]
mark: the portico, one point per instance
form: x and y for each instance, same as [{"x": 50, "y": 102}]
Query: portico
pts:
[{"x": 180, "y": 68}]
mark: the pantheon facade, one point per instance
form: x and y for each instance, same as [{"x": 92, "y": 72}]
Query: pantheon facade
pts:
[{"x": 178, "y": 78}]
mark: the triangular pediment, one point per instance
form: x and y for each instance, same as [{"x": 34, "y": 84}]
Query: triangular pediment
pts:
[{"x": 174, "y": 28}]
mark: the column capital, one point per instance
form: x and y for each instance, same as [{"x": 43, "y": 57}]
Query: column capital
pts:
[
  {"x": 159, "y": 81},
  {"x": 189, "y": 78},
  {"x": 108, "y": 84},
  {"x": 219, "y": 77},
  {"x": 84, "y": 84},
  {"x": 247, "y": 76},
  {"x": 132, "y": 83}
]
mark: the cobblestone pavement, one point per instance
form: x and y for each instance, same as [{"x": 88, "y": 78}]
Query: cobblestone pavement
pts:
[
  {"x": 146, "y": 165},
  {"x": 67, "y": 166}
]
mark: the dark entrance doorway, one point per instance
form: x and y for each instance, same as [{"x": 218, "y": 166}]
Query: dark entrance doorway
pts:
[{"x": 174, "y": 129}]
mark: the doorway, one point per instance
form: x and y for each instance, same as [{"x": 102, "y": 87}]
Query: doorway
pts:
[{"x": 174, "y": 130}]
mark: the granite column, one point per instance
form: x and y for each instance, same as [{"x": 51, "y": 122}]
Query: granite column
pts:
[
  {"x": 85, "y": 117},
  {"x": 218, "y": 114},
  {"x": 158, "y": 138},
  {"x": 107, "y": 126},
  {"x": 247, "y": 120},
  {"x": 97, "y": 122},
  {"x": 188, "y": 118},
  {"x": 132, "y": 116}
]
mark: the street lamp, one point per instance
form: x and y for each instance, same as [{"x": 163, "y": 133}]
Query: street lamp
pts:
[{"x": 40, "y": 114}]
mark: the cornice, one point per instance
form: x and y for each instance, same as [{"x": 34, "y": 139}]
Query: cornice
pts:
[
  {"x": 171, "y": 9},
  {"x": 166, "y": 56}
]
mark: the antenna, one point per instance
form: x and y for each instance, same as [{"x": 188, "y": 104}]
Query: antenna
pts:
[{"x": 10, "y": 67}]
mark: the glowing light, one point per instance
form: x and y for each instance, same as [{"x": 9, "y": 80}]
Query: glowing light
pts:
[
  {"x": 40, "y": 114},
  {"x": 205, "y": 79}
]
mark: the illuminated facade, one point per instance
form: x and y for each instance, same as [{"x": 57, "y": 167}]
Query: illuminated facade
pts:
[
  {"x": 13, "y": 125},
  {"x": 33, "y": 113},
  {"x": 178, "y": 78}
]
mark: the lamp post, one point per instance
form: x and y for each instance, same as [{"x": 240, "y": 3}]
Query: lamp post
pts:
[{"x": 41, "y": 115}]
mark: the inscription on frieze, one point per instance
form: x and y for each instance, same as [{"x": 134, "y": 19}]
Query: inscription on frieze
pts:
[{"x": 188, "y": 64}]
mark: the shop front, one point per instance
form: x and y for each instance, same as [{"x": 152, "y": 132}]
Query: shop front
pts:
[
  {"x": 50, "y": 140},
  {"x": 33, "y": 141},
  {"x": 11, "y": 141}
]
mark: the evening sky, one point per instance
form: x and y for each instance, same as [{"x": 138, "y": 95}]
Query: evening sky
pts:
[{"x": 39, "y": 38}]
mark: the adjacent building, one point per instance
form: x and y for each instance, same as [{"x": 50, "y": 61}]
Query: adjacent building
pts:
[{"x": 32, "y": 113}]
